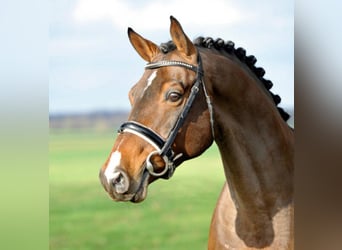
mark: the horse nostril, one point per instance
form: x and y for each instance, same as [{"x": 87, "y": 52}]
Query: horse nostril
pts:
[
  {"x": 120, "y": 182},
  {"x": 118, "y": 179}
]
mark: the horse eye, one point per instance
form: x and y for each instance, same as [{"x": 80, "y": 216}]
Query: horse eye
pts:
[{"x": 173, "y": 96}]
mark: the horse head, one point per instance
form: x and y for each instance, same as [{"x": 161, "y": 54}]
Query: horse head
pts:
[{"x": 170, "y": 119}]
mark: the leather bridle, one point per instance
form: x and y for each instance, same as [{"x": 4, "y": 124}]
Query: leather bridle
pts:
[{"x": 164, "y": 147}]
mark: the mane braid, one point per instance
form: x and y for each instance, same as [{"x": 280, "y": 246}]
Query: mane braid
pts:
[{"x": 240, "y": 53}]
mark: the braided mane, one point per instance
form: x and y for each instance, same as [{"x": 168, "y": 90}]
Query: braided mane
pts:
[{"x": 240, "y": 53}]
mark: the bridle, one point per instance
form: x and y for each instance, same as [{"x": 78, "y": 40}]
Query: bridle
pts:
[{"x": 164, "y": 147}]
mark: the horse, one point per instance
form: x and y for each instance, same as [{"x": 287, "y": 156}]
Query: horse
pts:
[{"x": 190, "y": 95}]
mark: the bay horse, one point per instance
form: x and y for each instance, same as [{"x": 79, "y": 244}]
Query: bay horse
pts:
[{"x": 194, "y": 93}]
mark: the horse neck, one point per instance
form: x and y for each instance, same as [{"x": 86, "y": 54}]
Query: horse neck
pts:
[{"x": 256, "y": 145}]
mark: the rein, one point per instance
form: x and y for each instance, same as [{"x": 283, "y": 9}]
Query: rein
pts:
[{"x": 164, "y": 147}]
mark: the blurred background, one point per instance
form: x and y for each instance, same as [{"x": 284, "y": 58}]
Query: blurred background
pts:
[
  {"x": 28, "y": 30},
  {"x": 92, "y": 66}
]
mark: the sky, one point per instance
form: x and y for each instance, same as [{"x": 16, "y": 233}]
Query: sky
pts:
[{"x": 92, "y": 65}]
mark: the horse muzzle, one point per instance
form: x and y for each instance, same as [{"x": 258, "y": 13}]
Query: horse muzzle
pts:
[{"x": 121, "y": 188}]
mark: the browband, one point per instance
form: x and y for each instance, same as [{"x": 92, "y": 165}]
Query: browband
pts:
[{"x": 163, "y": 63}]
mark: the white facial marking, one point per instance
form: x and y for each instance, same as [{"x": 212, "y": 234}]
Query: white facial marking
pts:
[
  {"x": 150, "y": 80},
  {"x": 114, "y": 162}
]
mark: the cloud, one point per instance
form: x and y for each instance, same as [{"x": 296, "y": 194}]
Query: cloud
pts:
[{"x": 152, "y": 15}]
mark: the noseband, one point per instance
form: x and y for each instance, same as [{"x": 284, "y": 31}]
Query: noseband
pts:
[{"x": 164, "y": 147}]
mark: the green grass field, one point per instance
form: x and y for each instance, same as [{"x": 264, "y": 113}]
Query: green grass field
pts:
[{"x": 175, "y": 215}]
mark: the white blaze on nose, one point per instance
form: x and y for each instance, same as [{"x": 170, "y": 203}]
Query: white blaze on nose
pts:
[
  {"x": 150, "y": 80},
  {"x": 113, "y": 163}
]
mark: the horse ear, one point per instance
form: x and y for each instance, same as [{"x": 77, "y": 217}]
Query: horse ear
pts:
[
  {"x": 180, "y": 39},
  {"x": 145, "y": 48}
]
